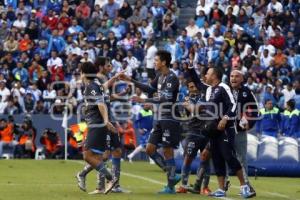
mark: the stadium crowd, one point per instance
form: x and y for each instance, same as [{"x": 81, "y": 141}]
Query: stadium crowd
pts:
[{"x": 44, "y": 43}]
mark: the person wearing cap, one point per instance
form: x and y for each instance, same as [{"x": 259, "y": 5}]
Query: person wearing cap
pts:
[{"x": 270, "y": 121}]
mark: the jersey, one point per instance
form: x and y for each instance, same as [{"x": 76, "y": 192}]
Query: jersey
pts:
[
  {"x": 166, "y": 87},
  {"x": 246, "y": 106},
  {"x": 93, "y": 95},
  {"x": 106, "y": 96}
]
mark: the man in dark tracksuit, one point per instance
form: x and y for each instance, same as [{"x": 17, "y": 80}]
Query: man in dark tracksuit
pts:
[
  {"x": 166, "y": 130},
  {"x": 247, "y": 113},
  {"x": 222, "y": 144},
  {"x": 195, "y": 140}
]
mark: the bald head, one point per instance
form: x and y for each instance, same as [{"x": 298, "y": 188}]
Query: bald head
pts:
[{"x": 236, "y": 79}]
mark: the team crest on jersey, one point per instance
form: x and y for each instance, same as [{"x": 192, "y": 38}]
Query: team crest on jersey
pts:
[
  {"x": 244, "y": 94},
  {"x": 169, "y": 85},
  {"x": 93, "y": 92}
]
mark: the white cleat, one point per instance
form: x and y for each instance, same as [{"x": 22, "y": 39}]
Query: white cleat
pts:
[
  {"x": 97, "y": 191},
  {"x": 81, "y": 182}
]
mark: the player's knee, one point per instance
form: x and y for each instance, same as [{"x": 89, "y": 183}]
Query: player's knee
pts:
[
  {"x": 188, "y": 160},
  {"x": 168, "y": 153},
  {"x": 150, "y": 149},
  {"x": 117, "y": 153},
  {"x": 86, "y": 156}
]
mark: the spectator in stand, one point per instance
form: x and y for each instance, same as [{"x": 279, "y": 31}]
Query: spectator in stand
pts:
[
  {"x": 84, "y": 9},
  {"x": 278, "y": 41},
  {"x": 111, "y": 8},
  {"x": 150, "y": 54},
  {"x": 55, "y": 65}
]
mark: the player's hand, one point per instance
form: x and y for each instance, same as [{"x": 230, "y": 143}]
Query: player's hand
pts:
[
  {"x": 204, "y": 155},
  {"x": 137, "y": 99},
  {"x": 111, "y": 127},
  {"x": 222, "y": 124},
  {"x": 123, "y": 77}
]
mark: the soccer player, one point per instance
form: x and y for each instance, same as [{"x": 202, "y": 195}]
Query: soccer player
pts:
[
  {"x": 222, "y": 144},
  {"x": 194, "y": 141},
  {"x": 113, "y": 140},
  {"x": 99, "y": 127},
  {"x": 166, "y": 130}
]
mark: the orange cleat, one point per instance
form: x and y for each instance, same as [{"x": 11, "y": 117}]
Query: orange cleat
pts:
[
  {"x": 181, "y": 189},
  {"x": 206, "y": 191}
]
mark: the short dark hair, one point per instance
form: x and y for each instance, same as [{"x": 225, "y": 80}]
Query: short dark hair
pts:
[
  {"x": 101, "y": 61},
  {"x": 218, "y": 72},
  {"x": 190, "y": 80},
  {"x": 291, "y": 103},
  {"x": 164, "y": 56},
  {"x": 89, "y": 69}
]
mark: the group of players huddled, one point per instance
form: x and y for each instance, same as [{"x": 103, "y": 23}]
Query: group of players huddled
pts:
[{"x": 217, "y": 119}]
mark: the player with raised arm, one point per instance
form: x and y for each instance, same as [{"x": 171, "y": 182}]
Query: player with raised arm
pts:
[{"x": 166, "y": 130}]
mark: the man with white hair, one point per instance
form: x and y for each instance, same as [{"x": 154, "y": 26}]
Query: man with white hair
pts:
[
  {"x": 247, "y": 112},
  {"x": 192, "y": 29}
]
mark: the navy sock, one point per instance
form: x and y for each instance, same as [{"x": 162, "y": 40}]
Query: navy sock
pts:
[
  {"x": 185, "y": 172},
  {"x": 171, "y": 168},
  {"x": 103, "y": 170},
  {"x": 87, "y": 169},
  {"x": 116, "y": 168},
  {"x": 159, "y": 160}
]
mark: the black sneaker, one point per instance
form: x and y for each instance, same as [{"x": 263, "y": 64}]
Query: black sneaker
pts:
[
  {"x": 110, "y": 185},
  {"x": 194, "y": 189},
  {"x": 227, "y": 185},
  {"x": 252, "y": 190}
]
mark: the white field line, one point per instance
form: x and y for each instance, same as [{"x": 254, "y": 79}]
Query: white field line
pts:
[
  {"x": 145, "y": 179},
  {"x": 275, "y": 194}
]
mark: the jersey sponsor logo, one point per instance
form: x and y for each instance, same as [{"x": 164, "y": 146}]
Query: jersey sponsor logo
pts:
[
  {"x": 245, "y": 94},
  {"x": 169, "y": 85},
  {"x": 159, "y": 86}
]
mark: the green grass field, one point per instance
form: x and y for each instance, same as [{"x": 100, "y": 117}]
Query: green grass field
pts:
[{"x": 49, "y": 180}]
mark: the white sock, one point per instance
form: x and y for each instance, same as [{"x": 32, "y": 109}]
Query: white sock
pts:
[{"x": 136, "y": 151}]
